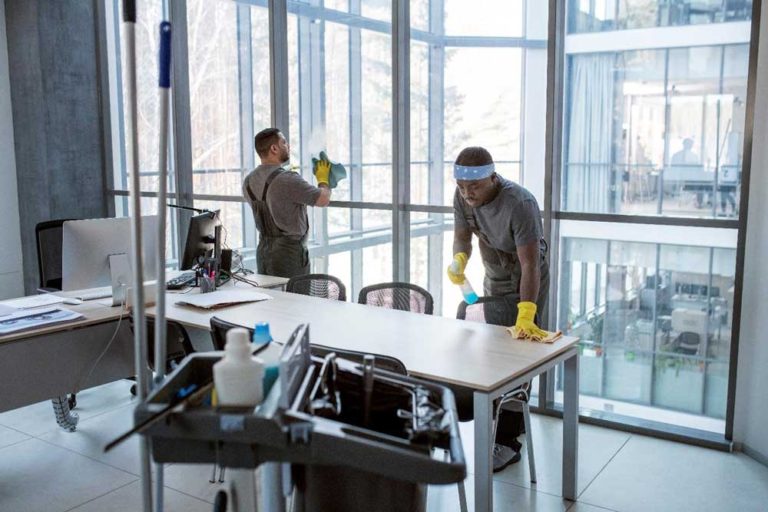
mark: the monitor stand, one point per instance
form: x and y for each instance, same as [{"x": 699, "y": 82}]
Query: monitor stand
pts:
[{"x": 122, "y": 277}]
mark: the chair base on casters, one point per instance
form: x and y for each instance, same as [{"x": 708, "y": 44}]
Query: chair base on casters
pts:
[{"x": 66, "y": 419}]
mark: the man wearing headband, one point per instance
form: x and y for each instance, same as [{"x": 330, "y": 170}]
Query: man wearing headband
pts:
[{"x": 506, "y": 219}]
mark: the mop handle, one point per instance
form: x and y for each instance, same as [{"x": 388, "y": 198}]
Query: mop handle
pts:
[{"x": 164, "y": 76}]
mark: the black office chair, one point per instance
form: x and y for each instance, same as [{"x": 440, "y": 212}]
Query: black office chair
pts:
[
  {"x": 48, "y": 236},
  {"x": 388, "y": 363},
  {"x": 219, "y": 330},
  {"x": 318, "y": 285},
  {"x": 177, "y": 341},
  {"x": 687, "y": 343},
  {"x": 496, "y": 311},
  {"x": 48, "y": 240},
  {"x": 401, "y": 296}
]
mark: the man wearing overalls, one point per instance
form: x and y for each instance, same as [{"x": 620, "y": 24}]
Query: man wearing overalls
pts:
[
  {"x": 506, "y": 219},
  {"x": 279, "y": 198}
]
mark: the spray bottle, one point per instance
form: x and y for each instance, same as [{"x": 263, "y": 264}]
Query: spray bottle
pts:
[{"x": 470, "y": 297}]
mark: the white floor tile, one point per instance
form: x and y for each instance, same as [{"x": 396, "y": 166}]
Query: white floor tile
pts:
[
  {"x": 37, "y": 476},
  {"x": 596, "y": 447},
  {"x": 128, "y": 499},
  {"x": 38, "y": 419},
  {"x": 192, "y": 479},
  {"x": 94, "y": 433},
  {"x": 506, "y": 497},
  {"x": 583, "y": 507},
  {"x": 651, "y": 474},
  {"x": 9, "y": 436}
]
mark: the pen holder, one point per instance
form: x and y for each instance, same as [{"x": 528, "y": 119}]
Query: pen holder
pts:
[{"x": 207, "y": 284}]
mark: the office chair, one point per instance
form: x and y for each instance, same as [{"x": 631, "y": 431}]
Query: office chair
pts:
[
  {"x": 388, "y": 363},
  {"x": 219, "y": 330},
  {"x": 48, "y": 240},
  {"x": 497, "y": 311},
  {"x": 48, "y": 237},
  {"x": 178, "y": 345},
  {"x": 318, "y": 285},
  {"x": 401, "y": 296}
]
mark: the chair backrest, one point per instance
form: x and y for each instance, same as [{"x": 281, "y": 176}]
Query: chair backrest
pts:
[
  {"x": 178, "y": 343},
  {"x": 489, "y": 310},
  {"x": 387, "y": 363},
  {"x": 48, "y": 236},
  {"x": 402, "y": 296},
  {"x": 219, "y": 330},
  {"x": 318, "y": 285},
  {"x": 688, "y": 343}
]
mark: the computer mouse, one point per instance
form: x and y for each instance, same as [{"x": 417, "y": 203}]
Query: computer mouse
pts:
[{"x": 72, "y": 301}]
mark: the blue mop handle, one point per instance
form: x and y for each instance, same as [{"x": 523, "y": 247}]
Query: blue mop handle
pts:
[
  {"x": 129, "y": 11},
  {"x": 165, "y": 55}
]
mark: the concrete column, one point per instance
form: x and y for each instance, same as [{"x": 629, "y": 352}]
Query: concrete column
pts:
[
  {"x": 56, "y": 105},
  {"x": 11, "y": 281}
]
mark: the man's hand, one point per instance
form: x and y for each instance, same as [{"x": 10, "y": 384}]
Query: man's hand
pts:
[
  {"x": 456, "y": 268},
  {"x": 525, "y": 327},
  {"x": 322, "y": 172}
]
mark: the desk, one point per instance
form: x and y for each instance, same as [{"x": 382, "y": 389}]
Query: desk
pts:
[
  {"x": 40, "y": 364},
  {"x": 478, "y": 356}
]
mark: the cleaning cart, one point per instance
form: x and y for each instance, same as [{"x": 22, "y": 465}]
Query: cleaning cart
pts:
[{"x": 332, "y": 434}]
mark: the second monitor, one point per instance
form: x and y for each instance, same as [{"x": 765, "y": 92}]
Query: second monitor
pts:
[{"x": 201, "y": 238}]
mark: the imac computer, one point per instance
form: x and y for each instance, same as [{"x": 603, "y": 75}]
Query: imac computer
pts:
[
  {"x": 97, "y": 252},
  {"x": 201, "y": 238}
]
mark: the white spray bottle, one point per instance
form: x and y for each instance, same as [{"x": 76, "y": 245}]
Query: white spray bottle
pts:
[{"x": 470, "y": 297}]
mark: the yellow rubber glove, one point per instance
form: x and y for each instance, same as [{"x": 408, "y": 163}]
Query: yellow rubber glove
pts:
[
  {"x": 525, "y": 327},
  {"x": 322, "y": 172},
  {"x": 456, "y": 268}
]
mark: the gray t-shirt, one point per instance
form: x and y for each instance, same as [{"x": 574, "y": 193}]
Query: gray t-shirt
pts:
[
  {"x": 287, "y": 197},
  {"x": 511, "y": 219}
]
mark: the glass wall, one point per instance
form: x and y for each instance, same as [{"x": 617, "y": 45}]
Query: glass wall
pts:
[
  {"x": 656, "y": 132},
  {"x": 605, "y": 15}
]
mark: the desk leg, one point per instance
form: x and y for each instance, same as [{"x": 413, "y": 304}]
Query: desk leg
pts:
[
  {"x": 483, "y": 451},
  {"x": 571, "y": 427}
]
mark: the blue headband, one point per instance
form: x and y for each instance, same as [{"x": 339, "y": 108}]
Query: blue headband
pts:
[{"x": 471, "y": 173}]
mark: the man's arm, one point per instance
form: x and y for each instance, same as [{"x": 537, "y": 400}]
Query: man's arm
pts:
[
  {"x": 325, "y": 195},
  {"x": 462, "y": 240},
  {"x": 530, "y": 278}
]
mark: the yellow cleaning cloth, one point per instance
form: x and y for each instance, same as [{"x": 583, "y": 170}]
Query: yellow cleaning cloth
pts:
[{"x": 550, "y": 338}]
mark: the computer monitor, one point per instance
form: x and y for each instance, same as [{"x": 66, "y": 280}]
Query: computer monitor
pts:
[
  {"x": 88, "y": 244},
  {"x": 200, "y": 238}
]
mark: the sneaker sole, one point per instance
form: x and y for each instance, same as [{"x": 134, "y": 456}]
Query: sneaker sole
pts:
[{"x": 513, "y": 460}]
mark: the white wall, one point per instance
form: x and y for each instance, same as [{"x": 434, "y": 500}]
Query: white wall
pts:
[
  {"x": 11, "y": 277},
  {"x": 751, "y": 417}
]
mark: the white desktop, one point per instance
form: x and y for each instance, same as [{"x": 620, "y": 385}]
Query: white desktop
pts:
[{"x": 97, "y": 254}]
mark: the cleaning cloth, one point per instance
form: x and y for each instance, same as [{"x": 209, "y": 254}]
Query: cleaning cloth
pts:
[
  {"x": 551, "y": 337},
  {"x": 338, "y": 172}
]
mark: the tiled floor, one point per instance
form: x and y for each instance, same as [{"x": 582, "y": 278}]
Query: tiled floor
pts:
[{"x": 45, "y": 469}]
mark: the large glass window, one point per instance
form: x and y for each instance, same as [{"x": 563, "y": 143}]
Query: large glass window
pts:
[{"x": 603, "y": 15}]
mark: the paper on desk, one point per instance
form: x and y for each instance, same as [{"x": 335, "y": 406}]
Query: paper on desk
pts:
[
  {"x": 34, "y": 301},
  {"x": 30, "y": 319},
  {"x": 222, "y": 298}
]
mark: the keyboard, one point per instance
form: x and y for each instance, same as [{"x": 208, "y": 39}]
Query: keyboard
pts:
[
  {"x": 95, "y": 294},
  {"x": 180, "y": 281}
]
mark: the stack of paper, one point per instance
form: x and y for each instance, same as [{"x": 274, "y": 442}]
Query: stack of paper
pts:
[
  {"x": 30, "y": 319},
  {"x": 222, "y": 298}
]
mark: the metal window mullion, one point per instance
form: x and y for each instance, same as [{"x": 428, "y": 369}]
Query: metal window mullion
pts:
[
  {"x": 746, "y": 170},
  {"x": 553, "y": 171},
  {"x": 278, "y": 65},
  {"x": 356, "y": 143},
  {"x": 181, "y": 116},
  {"x": 400, "y": 139},
  {"x": 436, "y": 127},
  {"x": 245, "y": 83}
]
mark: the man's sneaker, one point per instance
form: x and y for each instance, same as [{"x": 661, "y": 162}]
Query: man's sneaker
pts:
[{"x": 503, "y": 456}]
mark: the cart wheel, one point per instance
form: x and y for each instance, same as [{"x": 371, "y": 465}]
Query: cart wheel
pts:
[
  {"x": 72, "y": 401},
  {"x": 220, "y": 503}
]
